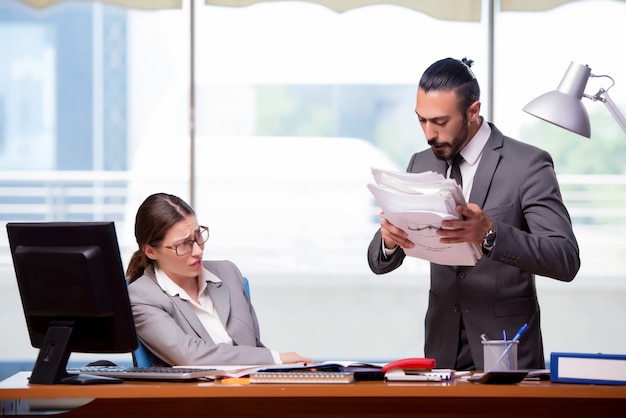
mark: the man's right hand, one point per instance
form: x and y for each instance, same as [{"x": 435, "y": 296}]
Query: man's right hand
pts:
[{"x": 393, "y": 236}]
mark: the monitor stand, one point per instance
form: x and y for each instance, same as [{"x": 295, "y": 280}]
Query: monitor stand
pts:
[{"x": 51, "y": 365}]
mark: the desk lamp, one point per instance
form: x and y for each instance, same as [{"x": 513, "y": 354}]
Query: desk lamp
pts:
[{"x": 563, "y": 106}]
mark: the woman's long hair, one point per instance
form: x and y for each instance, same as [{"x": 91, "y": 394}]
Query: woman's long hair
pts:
[{"x": 155, "y": 216}]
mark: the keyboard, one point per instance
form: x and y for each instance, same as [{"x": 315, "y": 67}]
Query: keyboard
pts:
[{"x": 148, "y": 373}]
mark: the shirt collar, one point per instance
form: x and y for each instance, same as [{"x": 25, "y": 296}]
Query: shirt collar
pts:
[
  {"x": 474, "y": 148},
  {"x": 169, "y": 286}
]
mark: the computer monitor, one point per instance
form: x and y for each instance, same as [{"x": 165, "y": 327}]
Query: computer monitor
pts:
[{"x": 73, "y": 290}]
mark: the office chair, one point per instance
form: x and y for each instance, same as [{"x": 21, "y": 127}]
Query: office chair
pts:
[{"x": 141, "y": 356}]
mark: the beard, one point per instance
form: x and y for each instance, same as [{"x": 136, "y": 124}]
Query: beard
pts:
[{"x": 449, "y": 150}]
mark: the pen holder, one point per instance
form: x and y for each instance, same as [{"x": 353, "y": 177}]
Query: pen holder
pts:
[{"x": 494, "y": 355}]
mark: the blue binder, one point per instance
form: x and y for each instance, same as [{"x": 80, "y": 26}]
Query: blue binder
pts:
[{"x": 599, "y": 369}]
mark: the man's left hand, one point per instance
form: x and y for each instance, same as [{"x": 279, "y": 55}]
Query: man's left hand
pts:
[{"x": 472, "y": 226}]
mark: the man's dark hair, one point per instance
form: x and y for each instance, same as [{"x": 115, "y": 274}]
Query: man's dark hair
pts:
[{"x": 452, "y": 74}]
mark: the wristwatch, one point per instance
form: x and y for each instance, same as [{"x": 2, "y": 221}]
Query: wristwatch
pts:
[{"x": 489, "y": 240}]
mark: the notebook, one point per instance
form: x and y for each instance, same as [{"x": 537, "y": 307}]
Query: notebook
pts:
[
  {"x": 309, "y": 377},
  {"x": 360, "y": 371},
  {"x": 149, "y": 373}
]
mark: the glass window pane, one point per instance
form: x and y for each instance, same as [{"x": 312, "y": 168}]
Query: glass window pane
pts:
[
  {"x": 89, "y": 93},
  {"x": 533, "y": 52},
  {"x": 294, "y": 104}
]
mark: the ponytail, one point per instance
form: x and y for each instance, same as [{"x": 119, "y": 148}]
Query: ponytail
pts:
[{"x": 136, "y": 266}]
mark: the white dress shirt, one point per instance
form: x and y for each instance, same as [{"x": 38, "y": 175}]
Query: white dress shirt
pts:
[{"x": 471, "y": 154}]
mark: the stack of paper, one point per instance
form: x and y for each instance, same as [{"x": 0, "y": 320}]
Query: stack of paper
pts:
[{"x": 417, "y": 203}]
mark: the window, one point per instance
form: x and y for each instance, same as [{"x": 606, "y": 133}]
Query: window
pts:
[{"x": 294, "y": 104}]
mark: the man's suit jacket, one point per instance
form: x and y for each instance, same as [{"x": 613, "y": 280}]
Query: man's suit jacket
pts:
[
  {"x": 171, "y": 330},
  {"x": 515, "y": 184}
]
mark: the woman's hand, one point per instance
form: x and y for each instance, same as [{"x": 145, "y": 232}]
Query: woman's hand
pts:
[{"x": 292, "y": 357}]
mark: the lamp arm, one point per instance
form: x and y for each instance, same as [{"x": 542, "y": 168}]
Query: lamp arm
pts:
[{"x": 603, "y": 96}]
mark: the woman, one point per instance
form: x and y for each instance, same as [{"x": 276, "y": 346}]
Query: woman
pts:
[{"x": 188, "y": 311}]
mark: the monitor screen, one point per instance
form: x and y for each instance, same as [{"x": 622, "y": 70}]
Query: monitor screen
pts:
[{"x": 73, "y": 290}]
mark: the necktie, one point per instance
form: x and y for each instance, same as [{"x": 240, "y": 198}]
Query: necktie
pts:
[{"x": 455, "y": 171}]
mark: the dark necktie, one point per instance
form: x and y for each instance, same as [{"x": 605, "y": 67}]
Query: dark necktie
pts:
[{"x": 455, "y": 171}]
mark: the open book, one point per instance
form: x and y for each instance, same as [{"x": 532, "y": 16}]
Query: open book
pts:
[{"x": 417, "y": 203}]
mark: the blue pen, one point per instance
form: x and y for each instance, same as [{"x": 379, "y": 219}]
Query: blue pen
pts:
[
  {"x": 520, "y": 332},
  {"x": 509, "y": 346},
  {"x": 508, "y": 359}
]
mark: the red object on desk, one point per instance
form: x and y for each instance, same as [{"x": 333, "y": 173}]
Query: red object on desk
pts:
[{"x": 411, "y": 363}]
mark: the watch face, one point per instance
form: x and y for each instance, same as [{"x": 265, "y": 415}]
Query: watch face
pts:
[{"x": 489, "y": 240}]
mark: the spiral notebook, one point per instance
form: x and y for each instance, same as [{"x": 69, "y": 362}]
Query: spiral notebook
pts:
[{"x": 309, "y": 377}]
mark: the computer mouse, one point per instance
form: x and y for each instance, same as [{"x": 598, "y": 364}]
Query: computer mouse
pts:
[{"x": 102, "y": 363}]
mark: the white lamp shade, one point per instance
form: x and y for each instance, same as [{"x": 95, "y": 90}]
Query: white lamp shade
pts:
[{"x": 562, "y": 107}]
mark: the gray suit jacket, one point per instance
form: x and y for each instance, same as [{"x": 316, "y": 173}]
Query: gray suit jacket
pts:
[
  {"x": 172, "y": 332},
  {"x": 515, "y": 184}
]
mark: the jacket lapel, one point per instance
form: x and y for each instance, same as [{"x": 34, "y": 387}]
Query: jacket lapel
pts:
[
  {"x": 187, "y": 312},
  {"x": 192, "y": 319},
  {"x": 486, "y": 168},
  {"x": 221, "y": 300}
]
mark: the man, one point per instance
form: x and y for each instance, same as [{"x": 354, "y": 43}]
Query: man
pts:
[{"x": 514, "y": 212}]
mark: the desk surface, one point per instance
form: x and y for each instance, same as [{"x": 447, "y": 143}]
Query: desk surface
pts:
[
  {"x": 17, "y": 386},
  {"x": 369, "y": 398}
]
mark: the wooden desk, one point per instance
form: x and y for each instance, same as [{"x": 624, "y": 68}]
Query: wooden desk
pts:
[{"x": 362, "y": 399}]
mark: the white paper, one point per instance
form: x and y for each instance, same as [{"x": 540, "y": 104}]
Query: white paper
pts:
[
  {"x": 422, "y": 226},
  {"x": 417, "y": 203}
]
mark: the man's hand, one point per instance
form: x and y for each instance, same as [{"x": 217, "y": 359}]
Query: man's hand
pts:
[
  {"x": 472, "y": 226},
  {"x": 393, "y": 236}
]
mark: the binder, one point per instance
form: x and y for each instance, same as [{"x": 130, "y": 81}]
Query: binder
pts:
[
  {"x": 599, "y": 369},
  {"x": 302, "y": 377}
]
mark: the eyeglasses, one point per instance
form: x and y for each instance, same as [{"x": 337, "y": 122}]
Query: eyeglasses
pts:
[{"x": 200, "y": 237}]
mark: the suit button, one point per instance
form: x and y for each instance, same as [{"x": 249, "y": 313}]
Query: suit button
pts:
[
  {"x": 461, "y": 275},
  {"x": 457, "y": 308}
]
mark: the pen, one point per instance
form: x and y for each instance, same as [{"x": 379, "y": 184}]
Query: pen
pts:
[
  {"x": 509, "y": 346},
  {"x": 505, "y": 338},
  {"x": 520, "y": 332}
]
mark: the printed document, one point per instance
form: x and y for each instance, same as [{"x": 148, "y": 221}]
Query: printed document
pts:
[{"x": 417, "y": 203}]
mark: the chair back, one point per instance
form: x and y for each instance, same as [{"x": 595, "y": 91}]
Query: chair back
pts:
[{"x": 141, "y": 356}]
